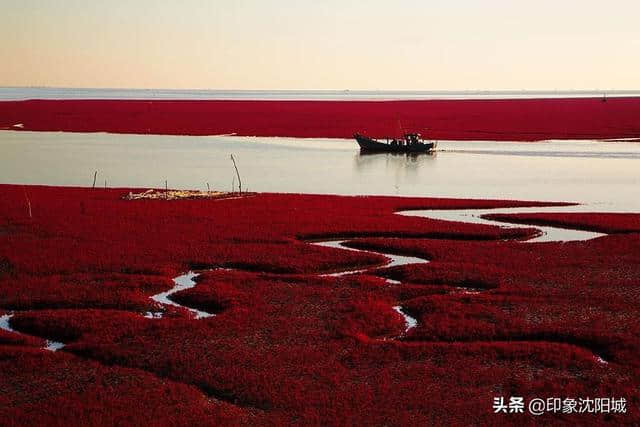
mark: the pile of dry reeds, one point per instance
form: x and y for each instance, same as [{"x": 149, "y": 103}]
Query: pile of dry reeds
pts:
[{"x": 175, "y": 195}]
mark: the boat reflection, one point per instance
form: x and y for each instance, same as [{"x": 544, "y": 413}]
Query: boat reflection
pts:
[
  {"x": 399, "y": 168},
  {"x": 397, "y": 160}
]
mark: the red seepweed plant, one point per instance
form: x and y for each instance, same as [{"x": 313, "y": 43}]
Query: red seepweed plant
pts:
[{"x": 495, "y": 316}]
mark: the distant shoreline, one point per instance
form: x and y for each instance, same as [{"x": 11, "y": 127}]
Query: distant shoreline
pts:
[
  {"x": 469, "y": 119},
  {"x": 29, "y": 93}
]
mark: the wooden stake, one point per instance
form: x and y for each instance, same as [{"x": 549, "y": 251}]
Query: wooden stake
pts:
[{"x": 237, "y": 173}]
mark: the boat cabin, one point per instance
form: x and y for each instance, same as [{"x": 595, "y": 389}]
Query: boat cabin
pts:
[{"x": 408, "y": 139}]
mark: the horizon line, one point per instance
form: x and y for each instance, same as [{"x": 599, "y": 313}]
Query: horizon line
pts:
[{"x": 339, "y": 90}]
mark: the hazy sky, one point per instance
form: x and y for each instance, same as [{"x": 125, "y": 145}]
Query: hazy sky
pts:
[{"x": 327, "y": 44}]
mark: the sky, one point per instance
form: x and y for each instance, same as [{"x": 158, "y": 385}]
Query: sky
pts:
[{"x": 328, "y": 44}]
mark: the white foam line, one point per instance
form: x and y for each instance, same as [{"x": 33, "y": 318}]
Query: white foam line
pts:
[
  {"x": 182, "y": 282},
  {"x": 49, "y": 345}
]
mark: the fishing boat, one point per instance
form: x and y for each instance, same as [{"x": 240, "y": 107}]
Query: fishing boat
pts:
[{"x": 409, "y": 143}]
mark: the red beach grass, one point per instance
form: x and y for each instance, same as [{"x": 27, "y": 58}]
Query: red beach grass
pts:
[
  {"x": 506, "y": 119},
  {"x": 288, "y": 345}
]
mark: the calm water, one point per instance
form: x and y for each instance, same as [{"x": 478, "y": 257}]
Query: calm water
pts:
[
  {"x": 9, "y": 93},
  {"x": 606, "y": 175}
]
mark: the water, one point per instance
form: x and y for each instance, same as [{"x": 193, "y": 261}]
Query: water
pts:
[
  {"x": 603, "y": 174},
  {"x": 548, "y": 234},
  {"x": 18, "y": 93},
  {"x": 183, "y": 282},
  {"x": 392, "y": 259},
  {"x": 410, "y": 322},
  {"x": 5, "y": 325}
]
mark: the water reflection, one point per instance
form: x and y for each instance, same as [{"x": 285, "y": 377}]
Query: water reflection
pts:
[
  {"x": 396, "y": 160},
  {"x": 399, "y": 167},
  {"x": 602, "y": 173}
]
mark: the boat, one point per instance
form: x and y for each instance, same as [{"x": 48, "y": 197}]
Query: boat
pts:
[{"x": 409, "y": 143}]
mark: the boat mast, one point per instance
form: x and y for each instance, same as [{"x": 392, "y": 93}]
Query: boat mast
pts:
[{"x": 399, "y": 129}]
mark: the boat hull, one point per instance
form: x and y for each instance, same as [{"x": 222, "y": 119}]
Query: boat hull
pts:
[{"x": 371, "y": 145}]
